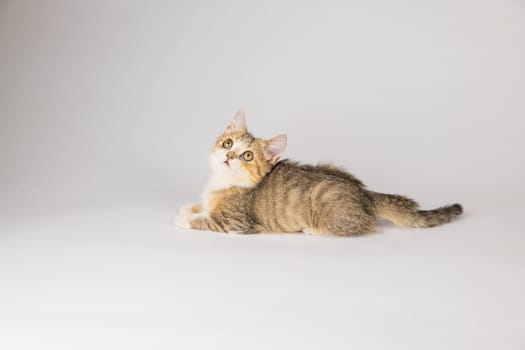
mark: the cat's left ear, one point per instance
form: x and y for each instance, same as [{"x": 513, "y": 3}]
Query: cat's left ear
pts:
[
  {"x": 274, "y": 148},
  {"x": 238, "y": 122}
]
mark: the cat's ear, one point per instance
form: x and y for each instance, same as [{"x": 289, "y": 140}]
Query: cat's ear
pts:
[
  {"x": 274, "y": 148},
  {"x": 238, "y": 122}
]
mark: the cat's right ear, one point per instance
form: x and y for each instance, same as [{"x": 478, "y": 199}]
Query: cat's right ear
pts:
[
  {"x": 274, "y": 148},
  {"x": 238, "y": 122}
]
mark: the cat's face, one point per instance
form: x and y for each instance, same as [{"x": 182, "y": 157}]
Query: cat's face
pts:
[{"x": 239, "y": 159}]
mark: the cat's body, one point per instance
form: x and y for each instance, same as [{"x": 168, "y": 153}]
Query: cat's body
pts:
[{"x": 263, "y": 194}]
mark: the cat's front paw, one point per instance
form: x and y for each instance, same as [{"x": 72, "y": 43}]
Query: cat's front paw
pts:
[
  {"x": 183, "y": 218},
  {"x": 182, "y": 221}
]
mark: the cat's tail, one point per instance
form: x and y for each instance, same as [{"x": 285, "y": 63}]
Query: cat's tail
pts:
[{"x": 405, "y": 212}]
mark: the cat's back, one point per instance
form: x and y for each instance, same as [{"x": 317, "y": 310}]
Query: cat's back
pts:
[
  {"x": 291, "y": 193},
  {"x": 290, "y": 173}
]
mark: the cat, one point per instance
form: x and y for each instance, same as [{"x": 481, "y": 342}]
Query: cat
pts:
[{"x": 251, "y": 190}]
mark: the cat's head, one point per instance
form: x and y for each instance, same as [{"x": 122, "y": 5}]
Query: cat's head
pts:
[{"x": 240, "y": 159}]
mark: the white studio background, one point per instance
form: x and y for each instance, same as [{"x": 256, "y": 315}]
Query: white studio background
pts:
[
  {"x": 117, "y": 101},
  {"x": 115, "y": 96}
]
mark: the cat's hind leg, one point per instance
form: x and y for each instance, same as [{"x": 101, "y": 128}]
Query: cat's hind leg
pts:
[{"x": 345, "y": 220}]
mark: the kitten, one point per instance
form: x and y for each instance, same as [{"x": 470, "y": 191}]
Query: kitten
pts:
[{"x": 251, "y": 191}]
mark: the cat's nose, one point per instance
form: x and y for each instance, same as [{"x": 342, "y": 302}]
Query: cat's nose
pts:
[{"x": 230, "y": 155}]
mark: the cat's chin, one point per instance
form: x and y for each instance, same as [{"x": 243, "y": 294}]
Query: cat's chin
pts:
[{"x": 227, "y": 174}]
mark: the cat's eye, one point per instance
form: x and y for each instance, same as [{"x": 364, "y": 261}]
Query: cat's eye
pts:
[
  {"x": 227, "y": 144},
  {"x": 247, "y": 156}
]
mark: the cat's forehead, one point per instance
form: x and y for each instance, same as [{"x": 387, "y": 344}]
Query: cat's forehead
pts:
[{"x": 239, "y": 137}]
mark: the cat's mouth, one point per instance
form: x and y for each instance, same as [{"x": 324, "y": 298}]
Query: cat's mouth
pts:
[{"x": 227, "y": 163}]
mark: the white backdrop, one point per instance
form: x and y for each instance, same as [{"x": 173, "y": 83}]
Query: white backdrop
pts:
[
  {"x": 112, "y": 101},
  {"x": 121, "y": 96}
]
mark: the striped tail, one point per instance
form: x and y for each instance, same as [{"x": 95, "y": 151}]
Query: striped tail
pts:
[{"x": 405, "y": 212}]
